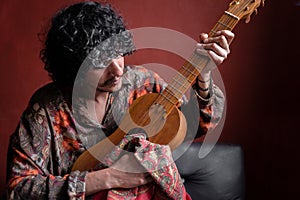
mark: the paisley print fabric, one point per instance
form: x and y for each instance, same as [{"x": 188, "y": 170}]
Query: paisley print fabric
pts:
[
  {"x": 50, "y": 136},
  {"x": 157, "y": 160}
]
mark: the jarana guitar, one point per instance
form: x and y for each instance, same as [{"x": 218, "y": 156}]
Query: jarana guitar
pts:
[{"x": 158, "y": 114}]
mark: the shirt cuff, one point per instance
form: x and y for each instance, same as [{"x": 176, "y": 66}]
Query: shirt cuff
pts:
[{"x": 76, "y": 186}]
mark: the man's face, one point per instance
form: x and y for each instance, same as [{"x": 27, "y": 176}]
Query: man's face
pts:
[{"x": 108, "y": 79}]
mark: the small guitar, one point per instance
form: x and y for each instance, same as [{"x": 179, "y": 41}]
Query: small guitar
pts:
[{"x": 158, "y": 114}]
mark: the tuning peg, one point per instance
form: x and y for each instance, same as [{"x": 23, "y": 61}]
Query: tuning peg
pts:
[
  {"x": 235, "y": 2},
  {"x": 248, "y": 18},
  {"x": 263, "y": 3}
]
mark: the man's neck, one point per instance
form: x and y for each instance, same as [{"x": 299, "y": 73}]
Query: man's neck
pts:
[
  {"x": 101, "y": 96},
  {"x": 101, "y": 99}
]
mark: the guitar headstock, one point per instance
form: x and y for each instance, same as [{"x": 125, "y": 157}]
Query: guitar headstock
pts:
[{"x": 243, "y": 9}]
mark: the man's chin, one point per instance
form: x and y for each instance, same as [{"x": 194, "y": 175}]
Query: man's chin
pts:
[{"x": 110, "y": 88}]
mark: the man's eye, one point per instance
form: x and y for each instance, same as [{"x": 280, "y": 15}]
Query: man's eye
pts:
[
  {"x": 128, "y": 53},
  {"x": 101, "y": 64}
]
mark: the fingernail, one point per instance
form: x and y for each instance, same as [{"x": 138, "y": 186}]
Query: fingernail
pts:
[{"x": 199, "y": 45}]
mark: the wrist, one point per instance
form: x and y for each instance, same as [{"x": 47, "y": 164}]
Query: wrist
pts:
[
  {"x": 203, "y": 87},
  {"x": 97, "y": 181},
  {"x": 203, "y": 84},
  {"x": 203, "y": 80},
  {"x": 204, "y": 77}
]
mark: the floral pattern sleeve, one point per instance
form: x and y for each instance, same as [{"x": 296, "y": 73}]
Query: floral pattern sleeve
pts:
[
  {"x": 36, "y": 168},
  {"x": 210, "y": 111}
]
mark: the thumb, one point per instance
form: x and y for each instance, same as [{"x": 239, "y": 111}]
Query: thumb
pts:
[{"x": 203, "y": 36}]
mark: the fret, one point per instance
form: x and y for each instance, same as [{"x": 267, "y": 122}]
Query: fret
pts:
[
  {"x": 184, "y": 78},
  {"x": 203, "y": 60},
  {"x": 225, "y": 25},
  {"x": 193, "y": 62},
  {"x": 215, "y": 32},
  {"x": 228, "y": 20},
  {"x": 188, "y": 70},
  {"x": 176, "y": 89},
  {"x": 198, "y": 58},
  {"x": 167, "y": 98},
  {"x": 232, "y": 15},
  {"x": 180, "y": 83}
]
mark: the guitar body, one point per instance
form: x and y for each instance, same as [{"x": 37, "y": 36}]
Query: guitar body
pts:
[
  {"x": 160, "y": 126},
  {"x": 143, "y": 116}
]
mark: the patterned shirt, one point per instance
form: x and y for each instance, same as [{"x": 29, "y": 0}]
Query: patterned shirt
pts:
[{"x": 52, "y": 133}]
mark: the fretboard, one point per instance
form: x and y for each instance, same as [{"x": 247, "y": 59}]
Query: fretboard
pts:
[{"x": 192, "y": 68}]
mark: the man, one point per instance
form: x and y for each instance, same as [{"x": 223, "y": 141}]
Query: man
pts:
[{"x": 50, "y": 138}]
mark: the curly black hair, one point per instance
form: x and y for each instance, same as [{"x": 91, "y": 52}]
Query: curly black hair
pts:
[{"x": 74, "y": 32}]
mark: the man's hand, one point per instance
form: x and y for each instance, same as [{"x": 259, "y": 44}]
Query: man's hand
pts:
[
  {"x": 217, "y": 48},
  {"x": 125, "y": 173}
]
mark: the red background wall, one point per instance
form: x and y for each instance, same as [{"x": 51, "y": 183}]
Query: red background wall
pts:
[{"x": 260, "y": 77}]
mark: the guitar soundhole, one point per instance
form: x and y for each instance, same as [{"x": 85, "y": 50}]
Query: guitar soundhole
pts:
[
  {"x": 137, "y": 131},
  {"x": 132, "y": 145}
]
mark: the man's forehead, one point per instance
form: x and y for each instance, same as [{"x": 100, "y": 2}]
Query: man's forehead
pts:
[{"x": 111, "y": 48}]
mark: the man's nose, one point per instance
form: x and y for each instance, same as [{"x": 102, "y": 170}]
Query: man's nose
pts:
[{"x": 116, "y": 69}]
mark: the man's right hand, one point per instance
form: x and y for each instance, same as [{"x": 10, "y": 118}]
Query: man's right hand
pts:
[{"x": 125, "y": 173}]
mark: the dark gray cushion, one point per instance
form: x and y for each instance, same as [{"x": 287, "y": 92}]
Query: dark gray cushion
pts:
[{"x": 217, "y": 176}]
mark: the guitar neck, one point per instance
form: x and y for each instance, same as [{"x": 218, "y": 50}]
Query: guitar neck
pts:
[{"x": 192, "y": 68}]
